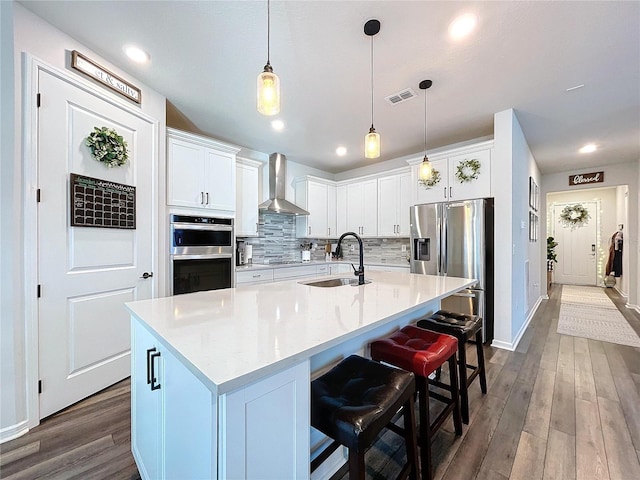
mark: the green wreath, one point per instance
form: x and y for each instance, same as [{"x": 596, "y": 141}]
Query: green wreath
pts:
[
  {"x": 433, "y": 180},
  {"x": 108, "y": 147},
  {"x": 574, "y": 216},
  {"x": 468, "y": 170}
]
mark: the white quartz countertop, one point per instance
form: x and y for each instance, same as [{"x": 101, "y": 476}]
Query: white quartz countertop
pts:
[{"x": 232, "y": 337}]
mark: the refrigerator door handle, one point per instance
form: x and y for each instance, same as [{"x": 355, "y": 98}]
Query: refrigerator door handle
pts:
[{"x": 465, "y": 295}]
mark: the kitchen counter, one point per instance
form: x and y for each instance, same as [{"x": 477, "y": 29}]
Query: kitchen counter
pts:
[
  {"x": 268, "y": 327},
  {"x": 220, "y": 379}
]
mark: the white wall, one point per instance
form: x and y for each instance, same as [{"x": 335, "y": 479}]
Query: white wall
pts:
[
  {"x": 36, "y": 37},
  {"x": 622, "y": 218},
  {"x": 13, "y": 409},
  {"x": 635, "y": 303},
  {"x": 504, "y": 246},
  {"x": 614, "y": 175}
]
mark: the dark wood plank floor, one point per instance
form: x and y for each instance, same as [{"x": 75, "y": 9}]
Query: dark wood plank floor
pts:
[{"x": 558, "y": 407}]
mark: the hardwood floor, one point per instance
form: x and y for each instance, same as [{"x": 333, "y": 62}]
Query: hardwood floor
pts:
[{"x": 558, "y": 407}]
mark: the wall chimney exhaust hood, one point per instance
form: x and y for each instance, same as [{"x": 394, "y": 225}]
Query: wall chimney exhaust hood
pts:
[{"x": 277, "y": 188}]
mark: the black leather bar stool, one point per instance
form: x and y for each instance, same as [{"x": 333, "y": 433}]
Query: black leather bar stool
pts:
[
  {"x": 354, "y": 401},
  {"x": 422, "y": 352},
  {"x": 464, "y": 328}
]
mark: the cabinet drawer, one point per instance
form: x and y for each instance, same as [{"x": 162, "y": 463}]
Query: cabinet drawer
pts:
[
  {"x": 254, "y": 276},
  {"x": 293, "y": 272}
]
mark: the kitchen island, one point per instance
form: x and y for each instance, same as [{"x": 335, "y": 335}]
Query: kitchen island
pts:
[{"x": 220, "y": 379}]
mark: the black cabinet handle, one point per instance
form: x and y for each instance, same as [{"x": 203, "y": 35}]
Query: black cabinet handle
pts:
[
  {"x": 149, "y": 350},
  {"x": 154, "y": 386}
]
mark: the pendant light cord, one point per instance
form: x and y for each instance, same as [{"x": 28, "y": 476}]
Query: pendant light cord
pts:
[
  {"x": 268, "y": 31},
  {"x": 371, "y": 80},
  {"x": 425, "y": 122}
]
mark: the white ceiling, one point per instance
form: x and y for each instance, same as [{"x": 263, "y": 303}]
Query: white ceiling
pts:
[{"x": 206, "y": 55}]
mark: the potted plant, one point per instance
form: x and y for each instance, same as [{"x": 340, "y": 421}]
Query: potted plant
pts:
[{"x": 552, "y": 258}]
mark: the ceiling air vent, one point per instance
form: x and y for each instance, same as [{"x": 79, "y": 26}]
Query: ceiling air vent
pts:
[{"x": 402, "y": 96}]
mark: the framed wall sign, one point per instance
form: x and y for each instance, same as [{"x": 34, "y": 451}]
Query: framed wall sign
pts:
[
  {"x": 105, "y": 77},
  {"x": 586, "y": 178}
]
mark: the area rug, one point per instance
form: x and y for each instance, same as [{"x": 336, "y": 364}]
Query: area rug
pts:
[{"x": 589, "y": 313}]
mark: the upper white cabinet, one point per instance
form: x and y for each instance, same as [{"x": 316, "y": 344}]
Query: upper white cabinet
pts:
[
  {"x": 318, "y": 197},
  {"x": 394, "y": 198},
  {"x": 201, "y": 172},
  {"x": 341, "y": 210},
  {"x": 362, "y": 211},
  {"x": 462, "y": 176},
  {"x": 247, "y": 199}
]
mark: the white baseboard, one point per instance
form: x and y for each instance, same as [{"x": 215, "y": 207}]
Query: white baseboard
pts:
[
  {"x": 633, "y": 307},
  {"x": 511, "y": 346},
  {"x": 14, "y": 431}
]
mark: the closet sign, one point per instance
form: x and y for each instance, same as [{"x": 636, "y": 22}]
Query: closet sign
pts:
[{"x": 585, "y": 178}]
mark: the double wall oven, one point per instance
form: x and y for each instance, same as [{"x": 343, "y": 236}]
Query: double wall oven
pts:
[{"x": 201, "y": 253}]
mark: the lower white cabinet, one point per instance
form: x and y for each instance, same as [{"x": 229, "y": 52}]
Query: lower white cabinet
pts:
[
  {"x": 168, "y": 440},
  {"x": 254, "y": 277},
  {"x": 270, "y": 420}
]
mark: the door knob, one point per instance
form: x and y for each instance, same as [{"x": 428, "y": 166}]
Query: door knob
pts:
[{"x": 146, "y": 275}]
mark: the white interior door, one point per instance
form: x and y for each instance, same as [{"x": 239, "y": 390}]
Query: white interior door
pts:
[
  {"x": 577, "y": 249},
  {"x": 86, "y": 273}
]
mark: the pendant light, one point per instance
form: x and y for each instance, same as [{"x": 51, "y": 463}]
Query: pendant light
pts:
[
  {"x": 372, "y": 139},
  {"x": 268, "y": 82},
  {"x": 425, "y": 171}
]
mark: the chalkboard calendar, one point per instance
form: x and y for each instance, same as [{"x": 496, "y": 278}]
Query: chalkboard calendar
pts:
[{"x": 101, "y": 203}]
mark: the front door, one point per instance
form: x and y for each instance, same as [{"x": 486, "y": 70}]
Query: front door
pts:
[
  {"x": 577, "y": 248},
  {"x": 86, "y": 274}
]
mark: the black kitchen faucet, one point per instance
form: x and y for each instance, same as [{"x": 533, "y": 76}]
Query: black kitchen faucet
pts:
[{"x": 360, "y": 272}]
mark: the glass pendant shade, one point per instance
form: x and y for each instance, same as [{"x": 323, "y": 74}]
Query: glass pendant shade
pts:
[
  {"x": 426, "y": 170},
  {"x": 372, "y": 144},
  {"x": 268, "y": 92}
]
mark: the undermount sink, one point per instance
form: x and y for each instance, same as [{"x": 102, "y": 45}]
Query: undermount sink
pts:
[{"x": 334, "y": 282}]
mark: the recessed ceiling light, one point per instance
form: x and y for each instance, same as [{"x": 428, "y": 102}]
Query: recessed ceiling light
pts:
[
  {"x": 136, "y": 54},
  {"x": 588, "y": 148},
  {"x": 462, "y": 26},
  {"x": 277, "y": 125},
  {"x": 341, "y": 151}
]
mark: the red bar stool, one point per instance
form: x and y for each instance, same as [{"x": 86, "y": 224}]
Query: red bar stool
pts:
[
  {"x": 422, "y": 352},
  {"x": 464, "y": 328},
  {"x": 354, "y": 401}
]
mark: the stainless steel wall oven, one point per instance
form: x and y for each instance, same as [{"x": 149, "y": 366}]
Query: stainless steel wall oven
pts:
[{"x": 201, "y": 253}]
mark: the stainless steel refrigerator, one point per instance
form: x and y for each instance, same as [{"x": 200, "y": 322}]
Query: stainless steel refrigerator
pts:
[{"x": 456, "y": 239}]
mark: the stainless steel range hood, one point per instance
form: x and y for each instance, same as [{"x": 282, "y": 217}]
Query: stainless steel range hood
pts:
[{"x": 277, "y": 188}]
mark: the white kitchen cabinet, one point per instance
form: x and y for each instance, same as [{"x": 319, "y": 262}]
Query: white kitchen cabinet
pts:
[
  {"x": 267, "y": 426},
  {"x": 177, "y": 442},
  {"x": 201, "y": 172},
  {"x": 318, "y": 197},
  {"x": 254, "y": 276},
  {"x": 362, "y": 207},
  {"x": 341, "y": 210},
  {"x": 287, "y": 273},
  {"x": 435, "y": 193},
  {"x": 247, "y": 199},
  {"x": 394, "y": 198},
  {"x": 478, "y": 188},
  {"x": 449, "y": 188}
]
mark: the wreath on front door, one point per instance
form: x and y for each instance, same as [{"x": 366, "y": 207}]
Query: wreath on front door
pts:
[
  {"x": 468, "y": 170},
  {"x": 108, "y": 147},
  {"x": 432, "y": 181},
  {"x": 574, "y": 216}
]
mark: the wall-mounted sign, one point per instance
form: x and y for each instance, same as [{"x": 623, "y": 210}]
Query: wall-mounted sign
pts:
[
  {"x": 104, "y": 76},
  {"x": 585, "y": 178},
  {"x": 101, "y": 203}
]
